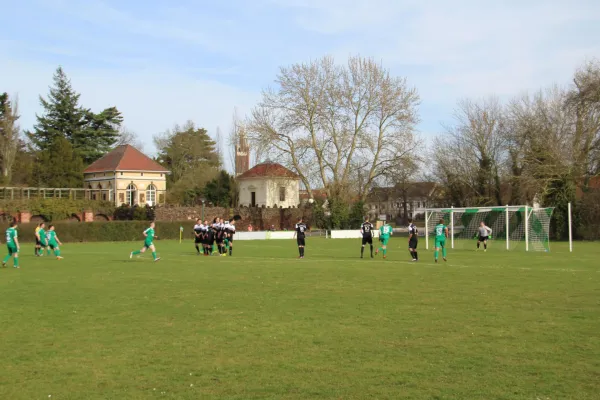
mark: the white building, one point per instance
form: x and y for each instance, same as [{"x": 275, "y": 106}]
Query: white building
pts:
[{"x": 269, "y": 184}]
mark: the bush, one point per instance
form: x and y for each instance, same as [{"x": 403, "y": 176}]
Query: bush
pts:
[{"x": 115, "y": 231}]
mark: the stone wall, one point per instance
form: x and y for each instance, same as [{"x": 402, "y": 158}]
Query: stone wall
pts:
[{"x": 260, "y": 218}]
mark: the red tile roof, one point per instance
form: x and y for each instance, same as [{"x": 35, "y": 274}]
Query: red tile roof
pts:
[
  {"x": 125, "y": 158},
  {"x": 268, "y": 170}
]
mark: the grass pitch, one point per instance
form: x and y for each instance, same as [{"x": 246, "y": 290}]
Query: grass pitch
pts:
[{"x": 264, "y": 325}]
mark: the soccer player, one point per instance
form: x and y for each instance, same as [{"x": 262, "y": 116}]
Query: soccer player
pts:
[
  {"x": 39, "y": 233},
  {"x": 441, "y": 233},
  {"x": 367, "y": 236},
  {"x": 413, "y": 239},
  {"x": 230, "y": 231},
  {"x": 384, "y": 236},
  {"x": 198, "y": 235},
  {"x": 484, "y": 234},
  {"x": 300, "y": 235},
  {"x": 148, "y": 243},
  {"x": 12, "y": 243},
  {"x": 53, "y": 242},
  {"x": 219, "y": 239},
  {"x": 207, "y": 238},
  {"x": 42, "y": 235}
]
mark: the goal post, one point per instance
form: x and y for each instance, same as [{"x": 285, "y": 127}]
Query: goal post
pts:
[{"x": 516, "y": 226}]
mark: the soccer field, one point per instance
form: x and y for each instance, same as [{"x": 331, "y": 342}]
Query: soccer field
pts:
[{"x": 265, "y": 325}]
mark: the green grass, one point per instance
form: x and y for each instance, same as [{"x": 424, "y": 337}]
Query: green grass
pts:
[{"x": 264, "y": 325}]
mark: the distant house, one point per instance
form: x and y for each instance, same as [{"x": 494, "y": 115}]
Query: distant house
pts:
[
  {"x": 126, "y": 176},
  {"x": 269, "y": 184},
  {"x": 389, "y": 201}
]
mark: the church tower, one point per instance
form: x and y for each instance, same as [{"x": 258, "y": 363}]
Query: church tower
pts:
[{"x": 242, "y": 153}]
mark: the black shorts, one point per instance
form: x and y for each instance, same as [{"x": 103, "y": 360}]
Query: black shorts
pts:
[
  {"x": 301, "y": 241},
  {"x": 197, "y": 239},
  {"x": 482, "y": 238},
  {"x": 37, "y": 242},
  {"x": 367, "y": 240},
  {"x": 219, "y": 239},
  {"x": 413, "y": 243}
]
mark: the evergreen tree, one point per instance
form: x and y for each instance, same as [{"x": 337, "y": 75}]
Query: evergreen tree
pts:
[
  {"x": 91, "y": 135},
  {"x": 221, "y": 190},
  {"x": 58, "y": 166},
  {"x": 62, "y": 117}
]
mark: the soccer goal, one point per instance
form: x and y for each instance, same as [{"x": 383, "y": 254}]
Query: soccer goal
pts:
[{"x": 513, "y": 226}]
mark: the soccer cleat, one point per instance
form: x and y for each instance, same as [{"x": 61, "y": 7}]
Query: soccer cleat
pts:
[
  {"x": 131, "y": 255},
  {"x": 485, "y": 251},
  {"x": 445, "y": 260},
  {"x": 384, "y": 257},
  {"x": 3, "y": 265},
  {"x": 436, "y": 260},
  {"x": 59, "y": 258},
  {"x": 223, "y": 255},
  {"x": 158, "y": 259},
  {"x": 414, "y": 259}
]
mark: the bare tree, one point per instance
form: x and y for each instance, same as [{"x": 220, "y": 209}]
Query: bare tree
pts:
[
  {"x": 9, "y": 135},
  {"x": 127, "y": 136},
  {"x": 472, "y": 152},
  {"x": 323, "y": 120}
]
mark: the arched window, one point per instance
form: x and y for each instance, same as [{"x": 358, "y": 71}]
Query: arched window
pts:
[
  {"x": 131, "y": 194},
  {"x": 151, "y": 195}
]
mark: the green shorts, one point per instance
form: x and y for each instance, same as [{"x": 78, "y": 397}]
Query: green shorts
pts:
[
  {"x": 384, "y": 240},
  {"x": 52, "y": 245},
  {"x": 43, "y": 243},
  {"x": 147, "y": 244},
  {"x": 439, "y": 243},
  {"x": 12, "y": 249}
]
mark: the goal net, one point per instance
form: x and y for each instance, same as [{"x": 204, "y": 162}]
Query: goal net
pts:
[{"x": 512, "y": 226}]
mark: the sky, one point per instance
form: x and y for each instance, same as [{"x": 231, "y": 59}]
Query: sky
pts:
[{"x": 165, "y": 62}]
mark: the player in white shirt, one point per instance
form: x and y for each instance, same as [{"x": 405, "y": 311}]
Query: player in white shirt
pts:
[{"x": 484, "y": 234}]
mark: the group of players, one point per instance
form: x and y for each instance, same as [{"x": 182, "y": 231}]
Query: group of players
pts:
[
  {"x": 440, "y": 232},
  {"x": 218, "y": 235},
  {"x": 44, "y": 240}
]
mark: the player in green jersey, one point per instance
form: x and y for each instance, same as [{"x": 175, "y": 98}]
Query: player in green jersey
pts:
[
  {"x": 384, "y": 236},
  {"x": 148, "y": 243},
  {"x": 441, "y": 233},
  {"x": 12, "y": 243},
  {"x": 53, "y": 242}
]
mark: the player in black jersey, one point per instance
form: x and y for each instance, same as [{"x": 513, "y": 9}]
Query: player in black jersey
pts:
[
  {"x": 206, "y": 238},
  {"x": 300, "y": 235},
  {"x": 413, "y": 239},
  {"x": 367, "y": 236},
  {"x": 198, "y": 235}
]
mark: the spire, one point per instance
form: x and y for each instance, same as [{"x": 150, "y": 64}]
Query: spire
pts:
[{"x": 242, "y": 153}]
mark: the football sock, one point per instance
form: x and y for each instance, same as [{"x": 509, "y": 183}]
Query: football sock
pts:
[
  {"x": 300, "y": 251},
  {"x": 444, "y": 252},
  {"x": 136, "y": 252},
  {"x": 362, "y": 250},
  {"x": 47, "y": 251},
  {"x": 230, "y": 249},
  {"x": 154, "y": 255},
  {"x": 36, "y": 251},
  {"x": 371, "y": 250},
  {"x": 6, "y": 259},
  {"x": 197, "y": 249},
  {"x": 384, "y": 251},
  {"x": 477, "y": 244},
  {"x": 436, "y": 254},
  {"x": 485, "y": 246},
  {"x": 412, "y": 254},
  {"x": 416, "y": 255},
  {"x": 57, "y": 253},
  {"x": 16, "y": 261}
]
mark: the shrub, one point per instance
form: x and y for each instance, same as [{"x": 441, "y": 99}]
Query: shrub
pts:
[
  {"x": 57, "y": 209},
  {"x": 115, "y": 231}
]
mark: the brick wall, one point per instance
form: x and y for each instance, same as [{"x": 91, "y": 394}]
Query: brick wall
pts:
[{"x": 260, "y": 218}]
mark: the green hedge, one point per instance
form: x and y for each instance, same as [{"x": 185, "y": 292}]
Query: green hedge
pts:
[{"x": 115, "y": 231}]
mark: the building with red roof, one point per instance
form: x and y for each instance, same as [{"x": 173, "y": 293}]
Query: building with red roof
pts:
[
  {"x": 269, "y": 184},
  {"x": 126, "y": 176}
]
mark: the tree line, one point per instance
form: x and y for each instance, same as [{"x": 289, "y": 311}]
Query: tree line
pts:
[
  {"x": 67, "y": 137},
  {"x": 349, "y": 128}
]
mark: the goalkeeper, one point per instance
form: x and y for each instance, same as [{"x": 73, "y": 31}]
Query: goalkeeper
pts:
[{"x": 484, "y": 234}]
